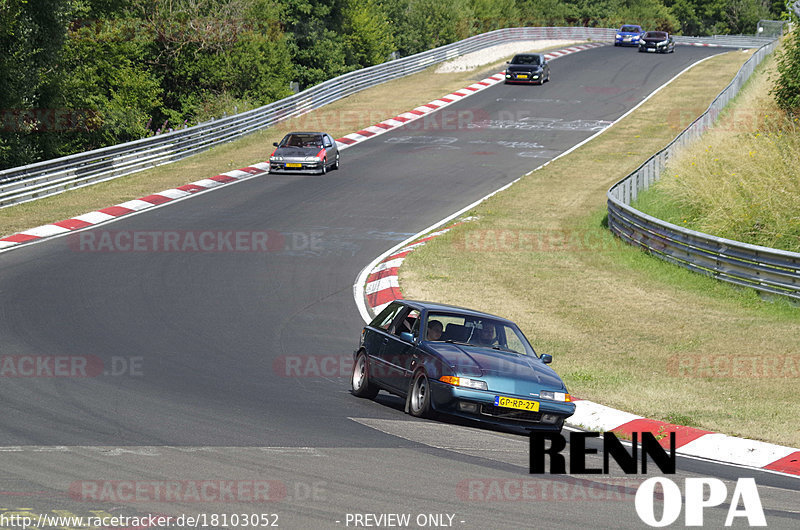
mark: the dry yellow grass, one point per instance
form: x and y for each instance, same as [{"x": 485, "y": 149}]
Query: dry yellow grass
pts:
[
  {"x": 339, "y": 118},
  {"x": 742, "y": 181},
  {"x": 626, "y": 330}
]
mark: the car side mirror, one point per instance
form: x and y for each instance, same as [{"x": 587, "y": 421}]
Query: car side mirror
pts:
[
  {"x": 275, "y": 144},
  {"x": 546, "y": 358},
  {"x": 407, "y": 336}
]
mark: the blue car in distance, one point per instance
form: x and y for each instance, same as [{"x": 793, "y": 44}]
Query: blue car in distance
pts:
[
  {"x": 460, "y": 362},
  {"x": 628, "y": 35}
]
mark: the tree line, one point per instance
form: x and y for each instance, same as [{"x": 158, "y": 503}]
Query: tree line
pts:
[{"x": 77, "y": 75}]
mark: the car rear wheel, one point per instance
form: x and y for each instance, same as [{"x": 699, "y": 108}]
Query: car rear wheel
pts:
[
  {"x": 360, "y": 379},
  {"x": 419, "y": 396}
]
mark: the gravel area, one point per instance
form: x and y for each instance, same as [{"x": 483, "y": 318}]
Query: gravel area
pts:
[{"x": 498, "y": 53}]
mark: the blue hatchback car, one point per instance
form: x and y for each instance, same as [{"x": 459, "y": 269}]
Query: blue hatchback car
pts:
[
  {"x": 460, "y": 362},
  {"x": 628, "y": 35}
]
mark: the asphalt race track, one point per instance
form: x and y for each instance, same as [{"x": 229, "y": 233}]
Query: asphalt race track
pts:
[{"x": 232, "y": 365}]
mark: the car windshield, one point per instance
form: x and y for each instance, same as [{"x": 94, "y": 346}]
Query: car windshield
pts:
[
  {"x": 655, "y": 35},
  {"x": 630, "y": 29},
  {"x": 302, "y": 140},
  {"x": 526, "y": 59},
  {"x": 477, "y": 331}
]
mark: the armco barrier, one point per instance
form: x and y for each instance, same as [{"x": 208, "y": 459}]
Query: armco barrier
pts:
[
  {"x": 765, "y": 269},
  {"x": 41, "y": 179}
]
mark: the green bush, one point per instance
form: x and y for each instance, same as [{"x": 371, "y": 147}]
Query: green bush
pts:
[{"x": 786, "y": 89}]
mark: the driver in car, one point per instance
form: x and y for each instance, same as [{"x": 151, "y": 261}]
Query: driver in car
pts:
[{"x": 486, "y": 335}]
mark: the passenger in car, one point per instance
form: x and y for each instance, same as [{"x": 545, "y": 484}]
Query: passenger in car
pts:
[{"x": 434, "y": 330}]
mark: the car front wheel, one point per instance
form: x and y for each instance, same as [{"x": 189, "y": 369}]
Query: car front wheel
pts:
[
  {"x": 336, "y": 163},
  {"x": 362, "y": 387},
  {"x": 324, "y": 166},
  {"x": 419, "y": 396}
]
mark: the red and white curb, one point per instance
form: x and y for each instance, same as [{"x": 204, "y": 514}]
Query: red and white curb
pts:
[
  {"x": 382, "y": 288},
  {"x": 705, "y": 44},
  {"x": 129, "y": 207},
  {"x": 690, "y": 441},
  {"x": 421, "y": 111}
]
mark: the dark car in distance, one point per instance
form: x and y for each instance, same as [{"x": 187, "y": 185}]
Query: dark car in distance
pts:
[
  {"x": 657, "y": 42},
  {"x": 304, "y": 152},
  {"x": 460, "y": 362},
  {"x": 527, "y": 68},
  {"x": 628, "y": 35}
]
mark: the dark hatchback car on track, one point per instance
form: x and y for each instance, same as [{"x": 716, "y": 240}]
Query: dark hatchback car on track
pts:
[
  {"x": 528, "y": 68},
  {"x": 304, "y": 152},
  {"x": 460, "y": 362},
  {"x": 657, "y": 42}
]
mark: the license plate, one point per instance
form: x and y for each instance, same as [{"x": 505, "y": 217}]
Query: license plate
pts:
[
  {"x": 522, "y": 76},
  {"x": 294, "y": 165},
  {"x": 512, "y": 403}
]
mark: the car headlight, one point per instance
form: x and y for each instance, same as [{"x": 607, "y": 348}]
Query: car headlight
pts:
[
  {"x": 312, "y": 159},
  {"x": 508, "y": 76},
  {"x": 555, "y": 396},
  {"x": 619, "y": 36},
  {"x": 276, "y": 159},
  {"x": 662, "y": 43},
  {"x": 465, "y": 382}
]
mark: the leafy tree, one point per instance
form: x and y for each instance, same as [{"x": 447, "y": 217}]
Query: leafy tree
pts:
[
  {"x": 434, "y": 23},
  {"x": 111, "y": 93},
  {"x": 650, "y": 14},
  {"x": 742, "y": 16},
  {"x": 317, "y": 46},
  {"x": 214, "y": 55},
  {"x": 547, "y": 13},
  {"x": 786, "y": 88},
  {"x": 368, "y": 38},
  {"x": 495, "y": 14},
  {"x": 31, "y": 35}
]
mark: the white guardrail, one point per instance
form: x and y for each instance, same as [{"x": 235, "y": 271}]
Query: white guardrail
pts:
[
  {"x": 765, "y": 269},
  {"x": 34, "y": 181}
]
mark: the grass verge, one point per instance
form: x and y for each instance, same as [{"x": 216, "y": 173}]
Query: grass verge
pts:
[
  {"x": 626, "y": 330},
  {"x": 742, "y": 180}
]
